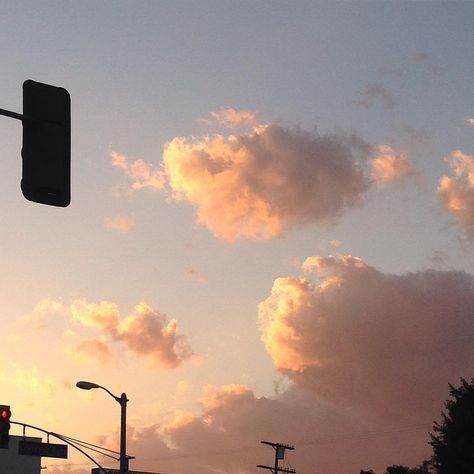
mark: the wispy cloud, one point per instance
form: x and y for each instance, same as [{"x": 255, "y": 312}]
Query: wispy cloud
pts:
[
  {"x": 196, "y": 276},
  {"x": 40, "y": 383},
  {"x": 121, "y": 224},
  {"x": 142, "y": 174},
  {"x": 232, "y": 118},
  {"x": 43, "y": 312},
  {"x": 375, "y": 93},
  {"x": 95, "y": 351}
]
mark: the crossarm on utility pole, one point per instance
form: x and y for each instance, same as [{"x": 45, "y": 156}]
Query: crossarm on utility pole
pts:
[{"x": 276, "y": 470}]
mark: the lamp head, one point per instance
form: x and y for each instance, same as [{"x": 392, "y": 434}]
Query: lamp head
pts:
[{"x": 86, "y": 385}]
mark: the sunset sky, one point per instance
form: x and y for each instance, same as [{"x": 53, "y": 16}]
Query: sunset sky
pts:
[{"x": 270, "y": 237}]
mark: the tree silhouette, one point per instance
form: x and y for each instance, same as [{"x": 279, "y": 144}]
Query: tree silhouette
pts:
[
  {"x": 396, "y": 469},
  {"x": 453, "y": 440},
  {"x": 423, "y": 469}
]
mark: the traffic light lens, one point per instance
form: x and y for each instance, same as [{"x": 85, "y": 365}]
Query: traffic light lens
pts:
[{"x": 5, "y": 414}]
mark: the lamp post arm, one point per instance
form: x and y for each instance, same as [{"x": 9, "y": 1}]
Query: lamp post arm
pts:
[{"x": 117, "y": 399}]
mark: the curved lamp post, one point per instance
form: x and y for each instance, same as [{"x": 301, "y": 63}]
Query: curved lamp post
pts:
[{"x": 122, "y": 400}]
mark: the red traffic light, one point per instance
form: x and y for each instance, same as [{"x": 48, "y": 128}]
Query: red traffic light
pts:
[{"x": 5, "y": 414}]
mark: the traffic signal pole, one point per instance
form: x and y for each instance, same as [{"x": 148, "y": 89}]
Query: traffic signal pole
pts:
[{"x": 14, "y": 115}]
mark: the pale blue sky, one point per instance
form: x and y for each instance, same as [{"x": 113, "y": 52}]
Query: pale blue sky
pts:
[{"x": 141, "y": 73}]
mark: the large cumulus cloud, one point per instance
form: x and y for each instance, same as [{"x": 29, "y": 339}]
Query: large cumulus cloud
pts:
[
  {"x": 260, "y": 184},
  {"x": 384, "y": 345},
  {"x": 225, "y": 437}
]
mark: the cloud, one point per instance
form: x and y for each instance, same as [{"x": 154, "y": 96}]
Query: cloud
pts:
[
  {"x": 36, "y": 382},
  {"x": 145, "y": 332},
  {"x": 232, "y": 118},
  {"x": 196, "y": 276},
  {"x": 104, "y": 315},
  {"x": 259, "y": 185},
  {"x": 457, "y": 193},
  {"x": 93, "y": 350},
  {"x": 425, "y": 59},
  {"x": 421, "y": 57},
  {"x": 374, "y": 93},
  {"x": 216, "y": 397},
  {"x": 389, "y": 165},
  {"x": 120, "y": 223},
  {"x": 371, "y": 342},
  {"x": 142, "y": 174},
  {"x": 391, "y": 70},
  {"x": 42, "y": 312},
  {"x": 470, "y": 121},
  {"x": 226, "y": 436},
  {"x": 148, "y": 332}
]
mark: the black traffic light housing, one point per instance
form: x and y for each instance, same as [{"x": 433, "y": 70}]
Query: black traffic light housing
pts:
[
  {"x": 46, "y": 151},
  {"x": 5, "y": 414}
]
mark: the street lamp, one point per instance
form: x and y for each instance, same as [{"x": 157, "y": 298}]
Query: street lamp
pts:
[{"x": 122, "y": 400}]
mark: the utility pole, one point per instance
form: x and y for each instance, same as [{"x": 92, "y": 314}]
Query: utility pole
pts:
[{"x": 279, "y": 454}]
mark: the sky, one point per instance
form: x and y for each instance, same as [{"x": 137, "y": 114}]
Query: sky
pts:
[{"x": 270, "y": 236}]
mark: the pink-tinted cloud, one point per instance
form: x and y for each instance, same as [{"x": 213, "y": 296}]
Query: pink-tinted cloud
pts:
[
  {"x": 470, "y": 121},
  {"x": 259, "y": 185},
  {"x": 104, "y": 315},
  {"x": 93, "y": 350},
  {"x": 372, "y": 342},
  {"x": 148, "y": 332},
  {"x": 389, "y": 165},
  {"x": 145, "y": 332},
  {"x": 142, "y": 174},
  {"x": 232, "y": 118},
  {"x": 120, "y": 223},
  {"x": 457, "y": 192},
  {"x": 226, "y": 436}
]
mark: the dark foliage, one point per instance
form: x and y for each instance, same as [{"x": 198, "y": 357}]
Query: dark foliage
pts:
[
  {"x": 453, "y": 438},
  {"x": 423, "y": 469}
]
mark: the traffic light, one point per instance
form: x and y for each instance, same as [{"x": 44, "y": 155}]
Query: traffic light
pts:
[
  {"x": 46, "y": 152},
  {"x": 5, "y": 415}
]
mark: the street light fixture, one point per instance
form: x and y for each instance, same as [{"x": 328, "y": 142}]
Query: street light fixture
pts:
[{"x": 122, "y": 400}]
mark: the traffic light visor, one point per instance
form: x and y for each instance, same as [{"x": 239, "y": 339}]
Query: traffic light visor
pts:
[{"x": 46, "y": 151}]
